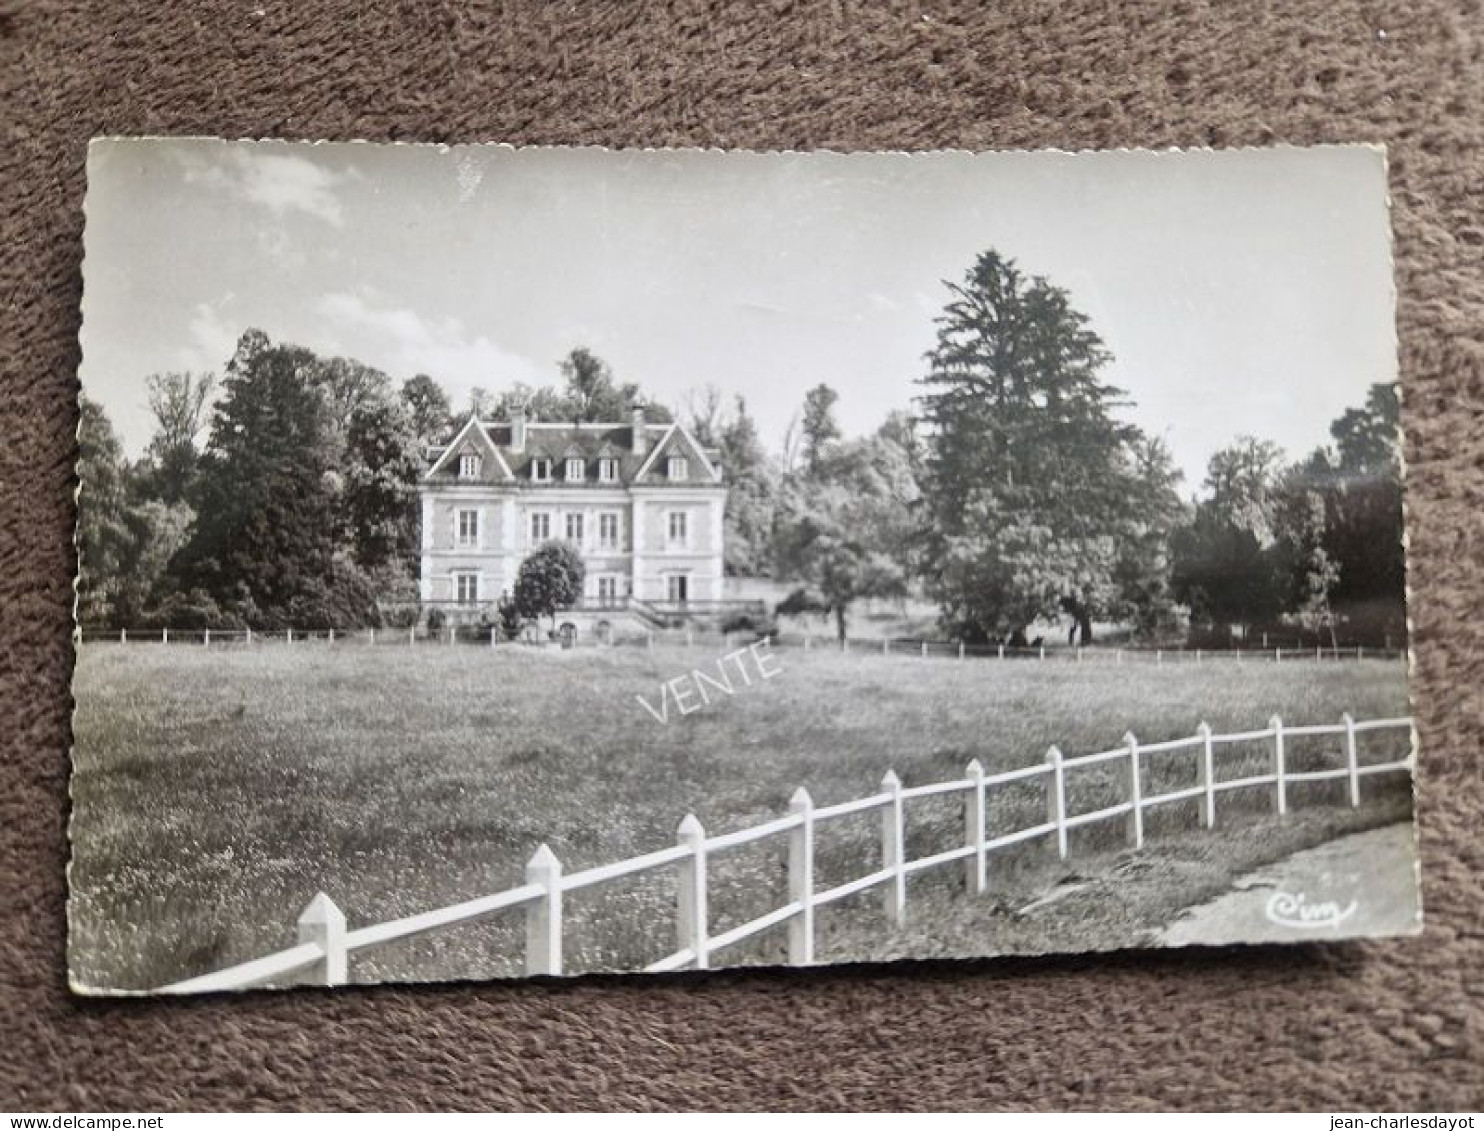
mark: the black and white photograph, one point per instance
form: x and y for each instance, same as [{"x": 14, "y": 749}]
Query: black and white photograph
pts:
[{"x": 500, "y": 563}]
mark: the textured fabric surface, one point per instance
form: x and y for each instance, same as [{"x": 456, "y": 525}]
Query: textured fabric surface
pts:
[{"x": 1387, "y": 1025}]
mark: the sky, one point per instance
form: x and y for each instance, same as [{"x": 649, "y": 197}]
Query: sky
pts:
[{"x": 1240, "y": 292}]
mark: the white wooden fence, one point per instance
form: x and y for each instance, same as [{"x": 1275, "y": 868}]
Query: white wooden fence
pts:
[{"x": 325, "y": 943}]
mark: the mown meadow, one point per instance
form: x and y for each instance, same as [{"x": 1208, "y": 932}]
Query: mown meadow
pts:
[{"x": 217, "y": 789}]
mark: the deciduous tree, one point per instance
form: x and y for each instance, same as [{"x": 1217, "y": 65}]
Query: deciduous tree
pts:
[{"x": 550, "y": 580}]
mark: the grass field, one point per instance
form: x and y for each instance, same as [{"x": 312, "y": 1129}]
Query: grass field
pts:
[{"x": 217, "y": 789}]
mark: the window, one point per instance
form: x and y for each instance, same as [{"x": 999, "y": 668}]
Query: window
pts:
[
  {"x": 574, "y": 529},
  {"x": 576, "y": 470},
  {"x": 540, "y": 527},
  {"x": 679, "y": 528},
  {"x": 468, "y": 466},
  {"x": 677, "y": 588},
  {"x": 608, "y": 531},
  {"x": 467, "y": 588},
  {"x": 541, "y": 469},
  {"x": 468, "y": 528},
  {"x": 608, "y": 470},
  {"x": 677, "y": 468},
  {"x": 607, "y": 590}
]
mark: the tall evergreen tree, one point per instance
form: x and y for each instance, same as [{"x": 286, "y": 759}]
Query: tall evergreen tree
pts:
[
  {"x": 264, "y": 543},
  {"x": 1031, "y": 483}
]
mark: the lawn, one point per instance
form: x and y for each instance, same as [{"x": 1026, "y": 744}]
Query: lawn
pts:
[{"x": 217, "y": 789}]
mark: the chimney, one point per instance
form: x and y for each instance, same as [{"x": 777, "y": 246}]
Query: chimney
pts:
[
  {"x": 641, "y": 434},
  {"x": 518, "y": 428}
]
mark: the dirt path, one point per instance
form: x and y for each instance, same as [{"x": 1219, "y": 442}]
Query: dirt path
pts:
[{"x": 1361, "y": 884}]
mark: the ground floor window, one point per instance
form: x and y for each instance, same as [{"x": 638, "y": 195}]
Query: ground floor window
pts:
[
  {"x": 466, "y": 588},
  {"x": 607, "y": 589},
  {"x": 677, "y": 587}
]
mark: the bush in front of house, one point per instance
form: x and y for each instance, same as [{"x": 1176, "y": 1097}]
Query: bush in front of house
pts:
[{"x": 549, "y": 581}]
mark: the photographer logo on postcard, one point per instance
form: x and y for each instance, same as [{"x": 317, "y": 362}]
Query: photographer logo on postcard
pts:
[{"x": 501, "y": 562}]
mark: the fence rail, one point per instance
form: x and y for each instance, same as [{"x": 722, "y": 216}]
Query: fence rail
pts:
[
  {"x": 325, "y": 944},
  {"x": 692, "y": 637}
]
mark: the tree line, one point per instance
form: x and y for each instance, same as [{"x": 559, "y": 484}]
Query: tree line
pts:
[{"x": 1015, "y": 492}]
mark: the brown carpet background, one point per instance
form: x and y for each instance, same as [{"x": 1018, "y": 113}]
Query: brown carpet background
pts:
[{"x": 1386, "y": 1025}]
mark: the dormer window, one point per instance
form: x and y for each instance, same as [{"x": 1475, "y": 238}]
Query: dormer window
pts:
[
  {"x": 541, "y": 470},
  {"x": 677, "y": 468},
  {"x": 576, "y": 470},
  {"x": 468, "y": 466},
  {"x": 608, "y": 470}
]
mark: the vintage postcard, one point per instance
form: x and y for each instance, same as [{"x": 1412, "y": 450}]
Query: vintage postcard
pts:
[{"x": 507, "y": 562}]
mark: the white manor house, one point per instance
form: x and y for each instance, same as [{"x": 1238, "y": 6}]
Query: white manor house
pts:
[{"x": 643, "y": 503}]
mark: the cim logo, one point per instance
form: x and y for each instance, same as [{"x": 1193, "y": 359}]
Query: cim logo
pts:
[{"x": 1294, "y": 910}]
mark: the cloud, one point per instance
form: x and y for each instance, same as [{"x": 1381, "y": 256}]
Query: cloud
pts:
[
  {"x": 402, "y": 341},
  {"x": 212, "y": 339},
  {"x": 275, "y": 181}
]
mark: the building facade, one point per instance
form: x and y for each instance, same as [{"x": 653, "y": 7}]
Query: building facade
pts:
[{"x": 642, "y": 502}]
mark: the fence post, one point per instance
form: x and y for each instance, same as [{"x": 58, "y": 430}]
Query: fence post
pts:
[
  {"x": 1159, "y": 656},
  {"x": 1207, "y": 777},
  {"x": 1352, "y": 760},
  {"x": 249, "y": 634},
  {"x": 974, "y": 829},
  {"x": 332, "y": 636},
  {"x": 494, "y": 635},
  {"x": 924, "y": 649},
  {"x": 411, "y": 634},
  {"x": 1056, "y": 800},
  {"x": 893, "y": 849},
  {"x": 291, "y": 636},
  {"x": 1118, "y": 656},
  {"x": 1280, "y": 787},
  {"x": 1135, "y": 795},
  {"x": 801, "y": 880},
  {"x": 1360, "y": 651},
  {"x": 323, "y": 924},
  {"x": 1197, "y": 655},
  {"x": 1319, "y": 652},
  {"x": 1277, "y": 655},
  {"x": 544, "y": 916},
  {"x": 452, "y": 632},
  {"x": 690, "y": 911},
  {"x": 373, "y": 638},
  {"x": 960, "y": 649},
  {"x": 206, "y": 638},
  {"x": 164, "y": 636},
  {"x": 1002, "y": 652},
  {"x": 123, "y": 636},
  {"x": 1042, "y": 656}
]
